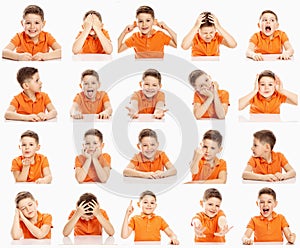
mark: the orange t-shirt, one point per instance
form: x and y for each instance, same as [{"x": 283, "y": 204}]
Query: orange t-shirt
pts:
[
  {"x": 92, "y": 44},
  {"x": 24, "y": 105},
  {"x": 141, "y": 163},
  {"x": 203, "y": 48},
  {"x": 211, "y": 225},
  {"x": 43, "y": 219},
  {"x": 152, "y": 46},
  {"x": 211, "y": 112},
  {"x": 267, "y": 45},
  {"x": 90, "y": 227},
  {"x": 35, "y": 170},
  {"x": 147, "y": 227},
  {"x": 24, "y": 44},
  {"x": 146, "y": 105},
  {"x": 261, "y": 105},
  {"x": 206, "y": 172},
  {"x": 104, "y": 159},
  {"x": 261, "y": 166},
  {"x": 91, "y": 107},
  {"x": 268, "y": 230}
]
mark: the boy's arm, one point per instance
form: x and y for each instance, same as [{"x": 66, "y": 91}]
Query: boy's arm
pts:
[
  {"x": 52, "y": 113},
  {"x": 251, "y": 54},
  {"x": 187, "y": 41},
  {"x": 37, "y": 232},
  {"x": 21, "y": 176},
  {"x": 121, "y": 45},
  {"x": 133, "y": 109},
  {"x": 102, "y": 172},
  {"x": 292, "y": 98},
  {"x": 290, "y": 237},
  {"x": 159, "y": 111},
  {"x": 220, "y": 108},
  {"x": 288, "y": 51},
  {"x": 106, "y": 43},
  {"x": 245, "y": 100},
  {"x": 194, "y": 164},
  {"x": 172, "y": 236},
  {"x": 173, "y": 41},
  {"x": 81, "y": 173},
  {"x": 222, "y": 178},
  {"x": 16, "y": 231},
  {"x": 75, "y": 112},
  {"x": 47, "y": 176},
  {"x": 127, "y": 230},
  {"x": 11, "y": 114},
  {"x": 248, "y": 174},
  {"x": 246, "y": 239},
  {"x": 290, "y": 172},
  {"x": 106, "y": 113},
  {"x": 200, "y": 109},
  {"x": 130, "y": 171},
  {"x": 228, "y": 40},
  {"x": 9, "y": 53},
  {"x": 54, "y": 54},
  {"x": 171, "y": 170}
]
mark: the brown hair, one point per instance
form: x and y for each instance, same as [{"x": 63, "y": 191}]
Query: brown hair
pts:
[
  {"x": 206, "y": 21},
  {"x": 266, "y": 136},
  {"x": 267, "y": 191},
  {"x": 87, "y": 197},
  {"x": 90, "y": 72},
  {"x": 194, "y": 75},
  {"x": 25, "y": 73},
  {"x": 266, "y": 73},
  {"x": 94, "y": 132},
  {"x": 268, "y": 12},
  {"x": 23, "y": 195},
  {"x": 31, "y": 134},
  {"x": 33, "y": 9},
  {"x": 153, "y": 73},
  {"x": 213, "y": 135},
  {"x": 147, "y": 132},
  {"x": 147, "y": 192},
  {"x": 212, "y": 192},
  {"x": 92, "y": 12},
  {"x": 145, "y": 10}
]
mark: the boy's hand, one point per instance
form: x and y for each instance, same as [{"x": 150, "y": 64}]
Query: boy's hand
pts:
[
  {"x": 200, "y": 20},
  {"x": 83, "y": 208},
  {"x": 199, "y": 151},
  {"x": 86, "y": 154},
  {"x": 247, "y": 241},
  {"x": 24, "y": 56},
  {"x": 257, "y": 56},
  {"x": 270, "y": 178},
  {"x": 26, "y": 162},
  {"x": 132, "y": 113},
  {"x": 77, "y": 115},
  {"x": 174, "y": 241},
  {"x": 88, "y": 22},
  {"x": 40, "y": 181},
  {"x": 158, "y": 174},
  {"x": 33, "y": 117},
  {"x": 213, "y": 19},
  {"x": 256, "y": 84},
  {"x": 39, "y": 56},
  {"x": 159, "y": 113},
  {"x": 162, "y": 25},
  {"x": 97, "y": 153},
  {"x": 223, "y": 231},
  {"x": 96, "y": 22},
  {"x": 103, "y": 115},
  {"x": 198, "y": 228},
  {"x": 280, "y": 176},
  {"x": 21, "y": 215},
  {"x": 279, "y": 85},
  {"x": 95, "y": 207},
  {"x": 130, "y": 209},
  {"x": 291, "y": 238},
  {"x": 129, "y": 28},
  {"x": 42, "y": 116},
  {"x": 284, "y": 56}
]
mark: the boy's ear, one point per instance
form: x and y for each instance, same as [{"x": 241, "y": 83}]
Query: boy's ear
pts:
[
  {"x": 102, "y": 145},
  {"x": 257, "y": 203},
  {"x": 38, "y": 147},
  {"x": 25, "y": 86},
  {"x": 267, "y": 147},
  {"x": 220, "y": 148},
  {"x": 80, "y": 85},
  {"x": 155, "y": 21},
  {"x": 36, "y": 202},
  {"x": 276, "y": 202},
  {"x": 201, "y": 203},
  {"x": 138, "y": 203},
  {"x": 258, "y": 25},
  {"x": 138, "y": 146},
  {"x": 134, "y": 24},
  {"x": 44, "y": 23},
  {"x": 141, "y": 83}
]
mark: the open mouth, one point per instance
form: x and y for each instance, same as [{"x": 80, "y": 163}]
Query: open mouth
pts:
[
  {"x": 90, "y": 93},
  {"x": 268, "y": 29},
  {"x": 265, "y": 211}
]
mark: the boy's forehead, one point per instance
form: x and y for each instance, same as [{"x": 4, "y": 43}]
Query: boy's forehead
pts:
[
  {"x": 151, "y": 79},
  {"x": 267, "y": 79},
  {"x": 148, "y": 139},
  {"x": 91, "y": 137},
  {"x": 149, "y": 198},
  {"x": 268, "y": 15},
  {"x": 210, "y": 142},
  {"x": 89, "y": 78},
  {"x": 265, "y": 196},
  {"x": 32, "y": 16},
  {"x": 144, "y": 16},
  {"x": 28, "y": 139},
  {"x": 25, "y": 201}
]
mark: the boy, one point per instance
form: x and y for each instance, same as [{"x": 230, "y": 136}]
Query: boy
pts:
[
  {"x": 268, "y": 95},
  {"x": 211, "y": 224},
  {"x": 28, "y": 222},
  {"x": 149, "y": 162},
  {"x": 266, "y": 165},
  {"x": 268, "y": 226},
  {"x": 88, "y": 218},
  {"x": 32, "y": 43},
  {"x": 31, "y": 167},
  {"x": 93, "y": 38},
  {"x": 149, "y": 100},
  {"x": 205, "y": 166},
  {"x": 92, "y": 165},
  {"x": 31, "y": 103},
  {"x": 91, "y": 100},
  {"x": 148, "y": 42},
  {"x": 269, "y": 40},
  {"x": 147, "y": 225},
  {"x": 206, "y": 36},
  {"x": 209, "y": 101}
]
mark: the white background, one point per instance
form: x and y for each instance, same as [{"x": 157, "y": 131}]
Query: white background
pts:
[{"x": 233, "y": 72}]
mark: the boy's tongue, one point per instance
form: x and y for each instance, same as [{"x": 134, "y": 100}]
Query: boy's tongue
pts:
[{"x": 90, "y": 93}]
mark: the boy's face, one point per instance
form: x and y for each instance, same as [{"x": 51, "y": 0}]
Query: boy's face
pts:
[
  {"x": 268, "y": 24},
  {"x": 211, "y": 206},
  {"x": 33, "y": 25},
  {"x": 258, "y": 148},
  {"x": 267, "y": 86},
  {"x": 29, "y": 147},
  {"x": 203, "y": 82},
  {"x": 148, "y": 146},
  {"x": 33, "y": 84},
  {"x": 207, "y": 33},
  {"x": 28, "y": 207},
  {"x": 90, "y": 85},
  {"x": 144, "y": 23},
  {"x": 266, "y": 204},
  {"x": 92, "y": 143},
  {"x": 150, "y": 86},
  {"x": 148, "y": 204},
  {"x": 211, "y": 149}
]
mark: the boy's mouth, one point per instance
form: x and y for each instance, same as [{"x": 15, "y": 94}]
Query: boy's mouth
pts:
[
  {"x": 90, "y": 93},
  {"x": 265, "y": 211},
  {"x": 268, "y": 29}
]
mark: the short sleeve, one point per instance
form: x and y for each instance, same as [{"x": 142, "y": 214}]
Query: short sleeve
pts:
[
  {"x": 16, "y": 40},
  {"x": 224, "y": 96},
  {"x": 163, "y": 225},
  {"x": 16, "y": 166},
  {"x": 130, "y": 41},
  {"x": 47, "y": 219},
  {"x": 131, "y": 223}
]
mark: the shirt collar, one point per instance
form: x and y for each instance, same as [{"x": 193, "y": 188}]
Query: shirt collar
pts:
[
  {"x": 274, "y": 215},
  {"x": 265, "y": 37},
  {"x": 152, "y": 33},
  {"x": 148, "y": 216},
  {"x": 216, "y": 161},
  {"x": 260, "y": 97},
  {"x": 41, "y": 38},
  {"x": 28, "y": 99}
]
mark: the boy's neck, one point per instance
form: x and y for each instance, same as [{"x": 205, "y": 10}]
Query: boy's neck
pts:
[
  {"x": 30, "y": 94},
  {"x": 268, "y": 157}
]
